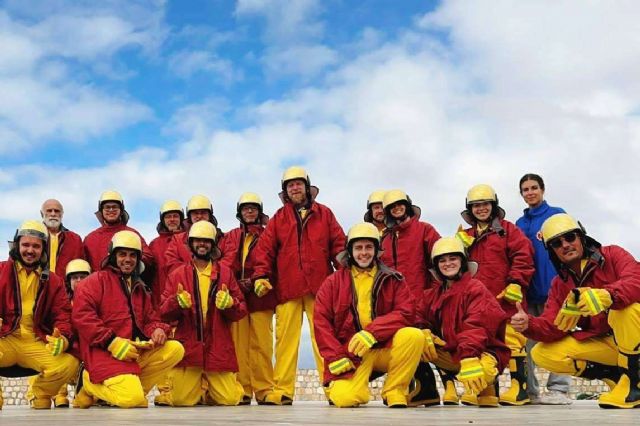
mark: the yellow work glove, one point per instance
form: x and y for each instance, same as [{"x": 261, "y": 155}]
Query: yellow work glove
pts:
[
  {"x": 183, "y": 297},
  {"x": 341, "y": 366},
  {"x": 511, "y": 293},
  {"x": 143, "y": 344},
  {"x": 223, "y": 298},
  {"x": 262, "y": 286},
  {"x": 466, "y": 239},
  {"x": 568, "y": 315},
  {"x": 361, "y": 342},
  {"x": 56, "y": 343},
  {"x": 429, "y": 353},
  {"x": 123, "y": 349},
  {"x": 472, "y": 375},
  {"x": 593, "y": 301}
]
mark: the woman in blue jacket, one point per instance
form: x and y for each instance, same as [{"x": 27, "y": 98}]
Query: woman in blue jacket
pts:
[{"x": 532, "y": 191}]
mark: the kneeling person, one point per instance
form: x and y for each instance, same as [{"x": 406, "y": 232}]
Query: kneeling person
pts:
[
  {"x": 465, "y": 327},
  {"x": 123, "y": 343},
  {"x": 203, "y": 298},
  {"x": 362, "y": 318}
]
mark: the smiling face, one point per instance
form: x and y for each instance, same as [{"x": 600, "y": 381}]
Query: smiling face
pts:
[
  {"x": 249, "y": 213},
  {"x": 171, "y": 221},
  {"x": 30, "y": 249},
  {"x": 377, "y": 212},
  {"x": 532, "y": 193},
  {"x": 363, "y": 252},
  {"x": 569, "y": 249},
  {"x": 449, "y": 265},
  {"x": 111, "y": 211},
  {"x": 482, "y": 211},
  {"x": 297, "y": 191},
  {"x": 201, "y": 248},
  {"x": 398, "y": 210},
  {"x": 126, "y": 260}
]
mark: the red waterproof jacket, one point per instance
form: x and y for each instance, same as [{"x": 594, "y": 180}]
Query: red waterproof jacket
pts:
[
  {"x": 467, "y": 317},
  {"x": 51, "y": 309},
  {"x": 69, "y": 247},
  {"x": 407, "y": 248},
  {"x": 96, "y": 245},
  {"x": 611, "y": 268},
  {"x": 158, "y": 248},
  {"x": 336, "y": 320},
  {"x": 504, "y": 255},
  {"x": 103, "y": 310},
  {"x": 207, "y": 341},
  {"x": 301, "y": 249},
  {"x": 233, "y": 246}
]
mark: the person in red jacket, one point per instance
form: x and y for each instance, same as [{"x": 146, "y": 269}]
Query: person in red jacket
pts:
[
  {"x": 199, "y": 208},
  {"x": 64, "y": 245},
  {"x": 464, "y": 325},
  {"x": 171, "y": 223},
  {"x": 253, "y": 334},
  {"x": 375, "y": 211},
  {"x": 113, "y": 218},
  {"x": 407, "y": 245},
  {"x": 362, "y": 320},
  {"x": 122, "y": 340},
  {"x": 35, "y": 317},
  {"x": 505, "y": 265},
  {"x": 203, "y": 298},
  {"x": 590, "y": 324},
  {"x": 299, "y": 243}
]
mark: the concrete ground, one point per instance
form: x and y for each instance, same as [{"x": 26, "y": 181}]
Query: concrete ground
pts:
[{"x": 316, "y": 413}]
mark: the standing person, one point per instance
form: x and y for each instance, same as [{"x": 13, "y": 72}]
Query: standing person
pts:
[
  {"x": 464, "y": 326},
  {"x": 505, "y": 265},
  {"x": 362, "y": 323},
  {"x": 407, "y": 247},
  {"x": 203, "y": 299},
  {"x": 123, "y": 343},
  {"x": 35, "y": 316},
  {"x": 589, "y": 326},
  {"x": 171, "y": 218},
  {"x": 375, "y": 211},
  {"x": 64, "y": 245},
  {"x": 113, "y": 218},
  {"x": 302, "y": 240},
  {"x": 253, "y": 334},
  {"x": 532, "y": 192}
]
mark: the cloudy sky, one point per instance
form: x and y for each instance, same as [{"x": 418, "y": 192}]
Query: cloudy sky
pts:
[{"x": 166, "y": 99}]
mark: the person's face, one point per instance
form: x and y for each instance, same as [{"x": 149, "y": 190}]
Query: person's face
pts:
[
  {"x": 201, "y": 247},
  {"x": 126, "y": 260},
  {"x": 363, "y": 252},
  {"x": 111, "y": 212},
  {"x": 531, "y": 192},
  {"x": 377, "y": 212},
  {"x": 52, "y": 214},
  {"x": 171, "y": 221},
  {"x": 30, "y": 249},
  {"x": 249, "y": 213},
  {"x": 398, "y": 210},
  {"x": 568, "y": 247},
  {"x": 198, "y": 215},
  {"x": 481, "y": 211},
  {"x": 74, "y": 279},
  {"x": 449, "y": 265},
  {"x": 297, "y": 191}
]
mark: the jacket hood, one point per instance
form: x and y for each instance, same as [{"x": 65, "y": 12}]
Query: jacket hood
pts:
[
  {"x": 390, "y": 222},
  {"x": 472, "y": 268}
]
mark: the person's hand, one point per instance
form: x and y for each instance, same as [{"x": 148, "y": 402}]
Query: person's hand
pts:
[
  {"x": 123, "y": 350},
  {"x": 511, "y": 293},
  {"x": 361, "y": 342},
  {"x": 223, "y": 298},
  {"x": 520, "y": 320},
  {"x": 56, "y": 343},
  {"x": 429, "y": 352},
  {"x": 158, "y": 337},
  {"x": 569, "y": 314},
  {"x": 472, "y": 375},
  {"x": 341, "y": 366},
  {"x": 593, "y": 301},
  {"x": 143, "y": 344},
  {"x": 183, "y": 297},
  {"x": 465, "y": 238},
  {"x": 262, "y": 286}
]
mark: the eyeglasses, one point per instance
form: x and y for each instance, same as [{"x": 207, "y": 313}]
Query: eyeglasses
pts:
[
  {"x": 110, "y": 208},
  {"x": 569, "y": 237}
]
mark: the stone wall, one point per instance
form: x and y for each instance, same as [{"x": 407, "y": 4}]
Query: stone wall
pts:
[{"x": 308, "y": 387}]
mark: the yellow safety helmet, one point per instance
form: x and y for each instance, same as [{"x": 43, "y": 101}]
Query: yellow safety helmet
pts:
[
  {"x": 77, "y": 266},
  {"x": 249, "y": 198},
  {"x": 292, "y": 173},
  {"x": 199, "y": 202},
  {"x": 363, "y": 230},
  {"x": 376, "y": 197},
  {"x": 203, "y": 229},
  {"x": 393, "y": 196},
  {"x": 126, "y": 240},
  {"x": 171, "y": 206},
  {"x": 110, "y": 196},
  {"x": 447, "y": 245},
  {"x": 32, "y": 228},
  {"x": 481, "y": 193},
  {"x": 559, "y": 224}
]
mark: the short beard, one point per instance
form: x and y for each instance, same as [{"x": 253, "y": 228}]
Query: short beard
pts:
[
  {"x": 30, "y": 265},
  {"x": 52, "y": 223},
  {"x": 206, "y": 256}
]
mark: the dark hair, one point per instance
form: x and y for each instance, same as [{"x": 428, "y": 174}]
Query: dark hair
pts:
[{"x": 531, "y": 176}]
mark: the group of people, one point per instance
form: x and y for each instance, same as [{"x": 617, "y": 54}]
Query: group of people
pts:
[{"x": 192, "y": 312}]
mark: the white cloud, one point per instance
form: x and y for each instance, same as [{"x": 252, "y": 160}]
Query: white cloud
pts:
[{"x": 185, "y": 63}]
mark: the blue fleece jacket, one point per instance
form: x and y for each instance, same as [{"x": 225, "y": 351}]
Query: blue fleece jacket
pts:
[{"x": 530, "y": 223}]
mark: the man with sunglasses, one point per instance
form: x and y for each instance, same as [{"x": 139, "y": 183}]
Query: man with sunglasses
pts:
[{"x": 590, "y": 326}]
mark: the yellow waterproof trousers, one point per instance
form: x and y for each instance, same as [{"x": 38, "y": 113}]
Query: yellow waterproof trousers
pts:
[
  {"x": 130, "y": 390},
  {"x": 399, "y": 362},
  {"x": 188, "y": 385},
  {"x": 253, "y": 340}
]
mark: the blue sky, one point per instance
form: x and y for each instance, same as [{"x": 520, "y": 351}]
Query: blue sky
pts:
[{"x": 166, "y": 99}]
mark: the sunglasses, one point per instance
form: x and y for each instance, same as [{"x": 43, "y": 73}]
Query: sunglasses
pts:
[{"x": 569, "y": 237}]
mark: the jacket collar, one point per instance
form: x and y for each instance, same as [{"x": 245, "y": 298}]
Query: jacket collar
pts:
[{"x": 537, "y": 211}]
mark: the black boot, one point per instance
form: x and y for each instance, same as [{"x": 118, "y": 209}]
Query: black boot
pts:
[
  {"x": 517, "y": 393},
  {"x": 626, "y": 393},
  {"x": 423, "y": 390},
  {"x": 450, "y": 396},
  {"x": 610, "y": 374}
]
